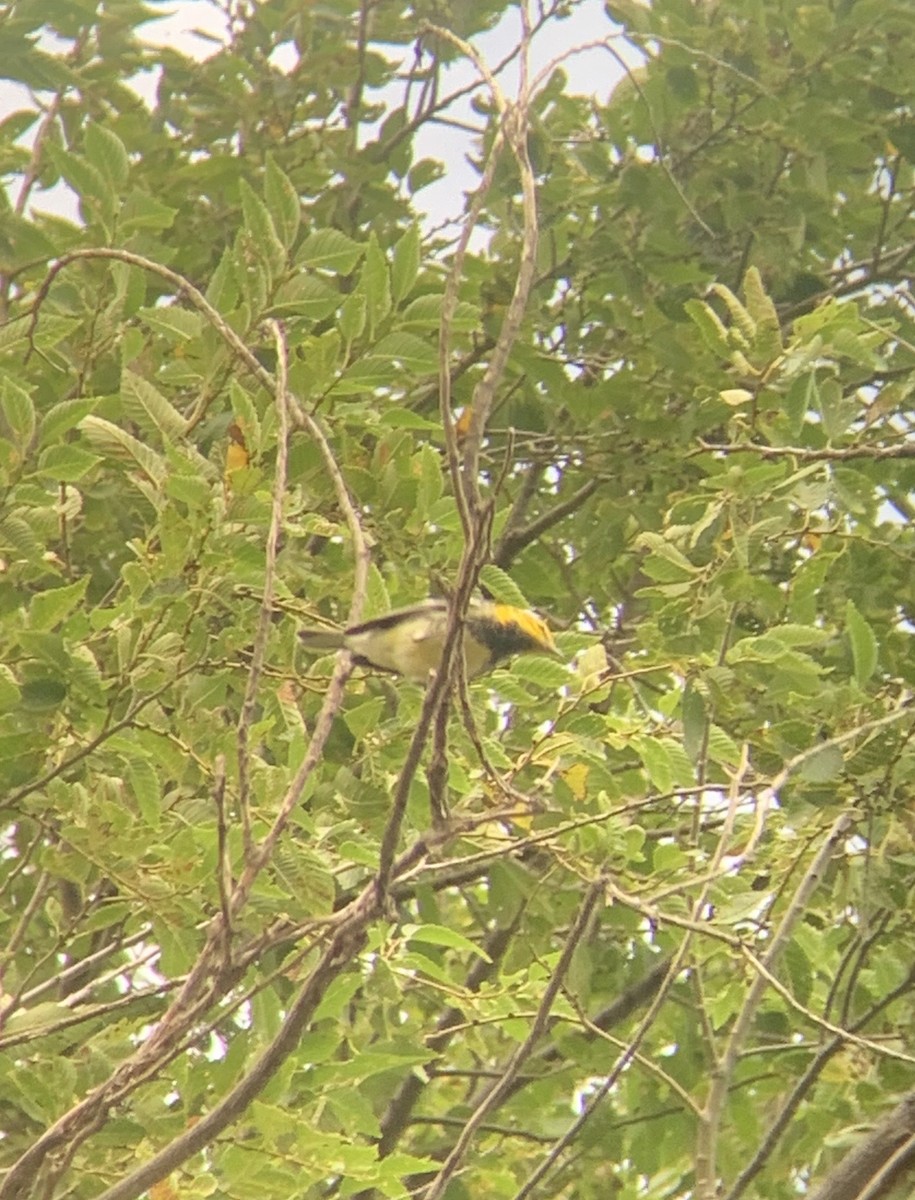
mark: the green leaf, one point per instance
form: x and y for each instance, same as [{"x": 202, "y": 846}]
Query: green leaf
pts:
[
  {"x": 406, "y": 418},
  {"x": 83, "y": 177},
  {"x": 425, "y": 312},
  {"x": 439, "y": 935},
  {"x": 666, "y": 563},
  {"x": 407, "y": 351},
  {"x": 822, "y": 766},
  {"x": 722, "y": 748},
  {"x": 375, "y": 285},
  {"x": 694, "y": 721},
  {"x": 305, "y": 296},
  {"x": 330, "y": 250},
  {"x": 66, "y": 464},
  {"x": 64, "y": 416},
  {"x": 502, "y": 587},
  {"x": 837, "y": 409},
  {"x": 142, "y": 212},
  {"x": 655, "y": 756},
  {"x": 864, "y": 647},
  {"x": 112, "y": 441},
  {"x": 801, "y": 399},
  {"x": 43, "y": 695},
  {"x": 193, "y": 491},
  {"x": 9, "y": 689},
  {"x": 364, "y": 717},
  {"x": 768, "y": 341},
  {"x": 405, "y": 264},
  {"x": 546, "y": 673},
  {"x": 352, "y": 316},
  {"x": 49, "y": 609},
  {"x": 259, "y": 225},
  {"x": 107, "y": 154},
  {"x": 177, "y": 324},
  {"x": 142, "y": 396},
  {"x": 710, "y": 326},
  {"x": 17, "y": 410},
  {"x": 282, "y": 202}
]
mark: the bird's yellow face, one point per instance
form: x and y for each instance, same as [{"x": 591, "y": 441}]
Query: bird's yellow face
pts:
[
  {"x": 529, "y": 624},
  {"x": 501, "y": 631}
]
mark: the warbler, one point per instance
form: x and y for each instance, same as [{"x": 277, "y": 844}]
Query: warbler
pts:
[{"x": 409, "y": 641}]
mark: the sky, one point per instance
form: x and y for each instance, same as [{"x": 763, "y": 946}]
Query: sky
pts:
[{"x": 192, "y": 25}]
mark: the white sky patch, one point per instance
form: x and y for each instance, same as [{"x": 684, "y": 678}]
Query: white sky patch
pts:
[{"x": 197, "y": 28}]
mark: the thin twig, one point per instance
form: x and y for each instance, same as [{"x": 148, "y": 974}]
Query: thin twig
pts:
[
  {"x": 265, "y": 615},
  {"x": 223, "y": 862}
]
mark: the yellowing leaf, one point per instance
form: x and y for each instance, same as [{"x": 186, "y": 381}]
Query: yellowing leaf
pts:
[{"x": 576, "y": 779}]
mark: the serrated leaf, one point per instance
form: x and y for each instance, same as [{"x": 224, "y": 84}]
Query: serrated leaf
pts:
[
  {"x": 114, "y": 442},
  {"x": 366, "y": 376},
  {"x": 64, "y": 416},
  {"x": 792, "y": 635},
  {"x": 768, "y": 341},
  {"x": 176, "y": 323},
  {"x": 18, "y": 411},
  {"x": 800, "y": 972},
  {"x": 545, "y": 672},
  {"x": 801, "y": 399},
  {"x": 364, "y": 717},
  {"x": 440, "y": 935},
  {"x": 656, "y": 761},
  {"x": 9, "y": 689},
  {"x": 694, "y": 721},
  {"x": 259, "y": 225},
  {"x": 501, "y": 586},
  {"x": 43, "y": 695},
  {"x": 722, "y": 749},
  {"x": 377, "y": 597},
  {"x": 408, "y": 351},
  {"x": 147, "y": 791},
  {"x": 83, "y": 177},
  {"x": 406, "y": 418},
  {"x": 823, "y": 765},
  {"x": 353, "y": 315},
  {"x": 425, "y": 312},
  {"x": 375, "y": 284},
  {"x": 66, "y": 464},
  {"x": 107, "y": 153},
  {"x": 162, "y": 415},
  {"x": 304, "y": 875},
  {"x": 744, "y": 327},
  {"x": 282, "y": 202},
  {"x": 330, "y": 250},
  {"x": 405, "y": 264},
  {"x": 19, "y": 536},
  {"x": 670, "y": 564},
  {"x": 710, "y": 326},
  {"x": 193, "y": 491},
  {"x": 306, "y": 296},
  {"x": 141, "y": 211},
  {"x": 864, "y": 647},
  {"x": 49, "y": 608},
  {"x": 837, "y": 409}
]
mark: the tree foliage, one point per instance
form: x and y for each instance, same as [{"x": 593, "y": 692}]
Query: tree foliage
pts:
[{"x": 637, "y": 926}]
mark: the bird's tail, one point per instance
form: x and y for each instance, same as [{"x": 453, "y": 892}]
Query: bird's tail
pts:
[{"x": 321, "y": 639}]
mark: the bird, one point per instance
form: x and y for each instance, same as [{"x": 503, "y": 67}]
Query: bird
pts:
[{"x": 409, "y": 641}]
